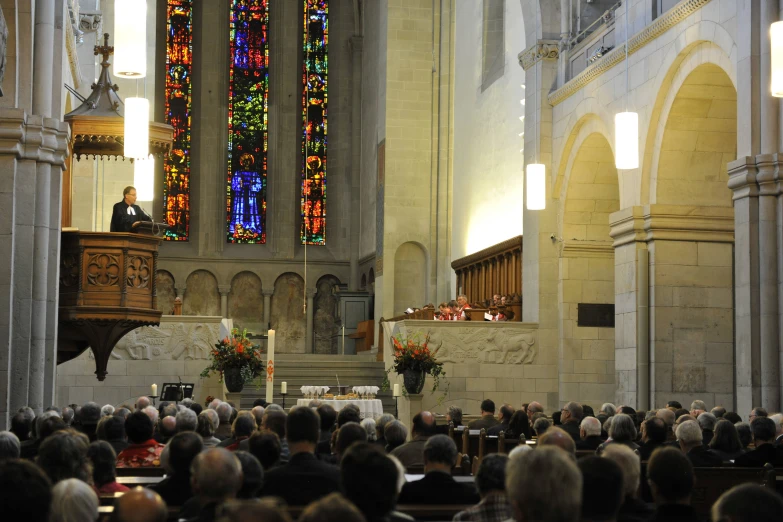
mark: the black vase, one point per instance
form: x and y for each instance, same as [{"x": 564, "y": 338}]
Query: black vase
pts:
[
  {"x": 414, "y": 381},
  {"x": 233, "y": 379}
]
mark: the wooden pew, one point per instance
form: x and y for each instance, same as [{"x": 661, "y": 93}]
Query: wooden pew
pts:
[
  {"x": 462, "y": 468},
  {"x": 711, "y": 483},
  {"x": 132, "y": 482},
  {"x": 140, "y": 472}
]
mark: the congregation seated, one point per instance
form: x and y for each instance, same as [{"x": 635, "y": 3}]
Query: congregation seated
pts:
[
  {"x": 206, "y": 424},
  {"x": 216, "y": 476},
  {"x": 175, "y": 489},
  {"x": 143, "y": 450},
  {"x": 380, "y": 426},
  {"x": 265, "y": 446},
  {"x": 487, "y": 419},
  {"x": 763, "y": 430},
  {"x": 544, "y": 484},
  {"x": 104, "y": 463},
  {"x": 689, "y": 436},
  {"x": 541, "y": 425},
  {"x": 328, "y": 417},
  {"x": 556, "y": 436},
  {"x": 275, "y": 421},
  {"x": 252, "y": 475},
  {"x": 88, "y": 418},
  {"x": 491, "y": 485},
  {"x": 504, "y": 418},
  {"x": 632, "y": 509},
  {"x": 244, "y": 426},
  {"x": 653, "y": 433},
  {"x": 332, "y": 508},
  {"x": 622, "y": 430},
  {"x": 304, "y": 478},
  {"x": 350, "y": 433},
  {"x": 411, "y": 454},
  {"x": 395, "y": 434},
  {"x": 438, "y": 486},
  {"x": 518, "y": 426},
  {"x": 453, "y": 417},
  {"x": 748, "y": 503},
  {"x": 602, "y": 489},
  {"x": 112, "y": 430},
  {"x": 707, "y": 423},
  {"x": 140, "y": 504},
  {"x": 224, "y": 412},
  {"x": 589, "y": 434},
  {"x": 725, "y": 442},
  {"x": 9, "y": 446},
  {"x": 570, "y": 417},
  {"x": 744, "y": 434},
  {"x": 63, "y": 455},
  {"x": 73, "y": 500}
]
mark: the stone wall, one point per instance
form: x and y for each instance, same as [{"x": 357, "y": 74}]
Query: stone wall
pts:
[
  {"x": 288, "y": 318},
  {"x": 246, "y": 302},
  {"x": 178, "y": 348}
]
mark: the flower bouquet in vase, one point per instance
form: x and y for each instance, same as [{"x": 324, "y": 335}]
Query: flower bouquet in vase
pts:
[
  {"x": 236, "y": 359},
  {"x": 414, "y": 361}
]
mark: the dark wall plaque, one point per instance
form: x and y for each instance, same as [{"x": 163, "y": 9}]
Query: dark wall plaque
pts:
[{"x": 595, "y": 314}]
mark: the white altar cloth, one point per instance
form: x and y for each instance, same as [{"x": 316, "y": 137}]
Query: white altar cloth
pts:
[{"x": 369, "y": 409}]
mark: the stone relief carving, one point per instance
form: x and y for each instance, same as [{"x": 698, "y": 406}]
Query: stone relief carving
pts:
[
  {"x": 90, "y": 22},
  {"x": 177, "y": 341},
  {"x": 542, "y": 50},
  {"x": 484, "y": 345}
]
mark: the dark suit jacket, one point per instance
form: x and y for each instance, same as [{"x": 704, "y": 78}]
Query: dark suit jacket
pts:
[
  {"x": 29, "y": 449},
  {"x": 675, "y": 513},
  {"x": 174, "y": 489},
  {"x": 760, "y": 456},
  {"x": 590, "y": 443},
  {"x": 485, "y": 422},
  {"x": 572, "y": 428},
  {"x": 707, "y": 436},
  {"x": 438, "y": 487},
  {"x": 646, "y": 449},
  {"x": 223, "y": 432},
  {"x": 702, "y": 457},
  {"x": 495, "y": 430},
  {"x": 121, "y": 221},
  {"x": 301, "y": 481},
  {"x": 635, "y": 510}
]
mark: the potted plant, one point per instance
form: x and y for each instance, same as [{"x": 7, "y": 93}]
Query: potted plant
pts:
[
  {"x": 414, "y": 361},
  {"x": 236, "y": 360}
]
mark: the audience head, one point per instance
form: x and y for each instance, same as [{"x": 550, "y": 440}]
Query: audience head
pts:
[
  {"x": 609, "y": 409},
  {"x": 533, "y": 408},
  {"x": 213, "y": 418},
  {"x": 204, "y": 426},
  {"x": 689, "y": 436},
  {"x": 698, "y": 406},
  {"x": 541, "y": 425},
  {"x": 707, "y": 421},
  {"x": 214, "y": 404},
  {"x": 153, "y": 414},
  {"x": 216, "y": 475},
  {"x": 107, "y": 410},
  {"x": 275, "y": 421},
  {"x": 756, "y": 413},
  {"x": 303, "y": 426},
  {"x": 27, "y": 491},
  {"x": 623, "y": 428},
  {"x": 139, "y": 505},
  {"x": 244, "y": 510},
  {"x": 21, "y": 426},
  {"x": 572, "y": 410},
  {"x": 68, "y": 415},
  {"x": 186, "y": 420},
  {"x": 196, "y": 407},
  {"x": 744, "y": 433},
  {"x": 556, "y": 418},
  {"x": 381, "y": 422},
  {"x": 258, "y": 414},
  {"x": 763, "y": 429},
  {"x": 9, "y": 446},
  {"x": 748, "y": 503},
  {"x": 670, "y": 475},
  {"x": 506, "y": 411},
  {"x": 104, "y": 461},
  {"x": 544, "y": 473},
  {"x": 667, "y": 416},
  {"x": 350, "y": 433},
  {"x": 369, "y": 426},
  {"x": 519, "y": 424},
  {"x": 588, "y": 410},
  {"x": 726, "y": 438},
  {"x": 224, "y": 411},
  {"x": 679, "y": 413},
  {"x": 138, "y": 427},
  {"x": 142, "y": 402},
  {"x": 244, "y": 425},
  {"x": 327, "y": 417},
  {"x": 454, "y": 415},
  {"x": 424, "y": 424},
  {"x": 253, "y": 475},
  {"x": 89, "y": 414},
  {"x": 114, "y": 428},
  {"x": 63, "y": 455},
  {"x": 183, "y": 448},
  {"x": 655, "y": 430},
  {"x": 395, "y": 434},
  {"x": 732, "y": 417},
  {"x": 487, "y": 406},
  {"x": 718, "y": 411},
  {"x": 265, "y": 446},
  {"x": 369, "y": 479},
  {"x": 602, "y": 488},
  {"x": 73, "y": 501},
  {"x": 560, "y": 438},
  {"x": 629, "y": 464},
  {"x": 440, "y": 451},
  {"x": 491, "y": 474},
  {"x": 331, "y": 508},
  {"x": 674, "y": 405},
  {"x": 347, "y": 415},
  {"x": 590, "y": 427}
]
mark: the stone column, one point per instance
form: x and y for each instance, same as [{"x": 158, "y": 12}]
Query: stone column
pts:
[
  {"x": 267, "y": 305},
  {"x": 180, "y": 288},
  {"x": 309, "y": 318},
  {"x": 44, "y": 58},
  {"x": 357, "y": 42},
  {"x": 224, "y": 291}
]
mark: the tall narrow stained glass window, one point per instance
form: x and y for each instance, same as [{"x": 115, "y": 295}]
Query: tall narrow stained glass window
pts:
[
  {"x": 248, "y": 101},
  {"x": 314, "y": 73},
  {"x": 179, "y": 63}
]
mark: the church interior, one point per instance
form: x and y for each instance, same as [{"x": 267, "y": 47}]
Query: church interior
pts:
[{"x": 451, "y": 215}]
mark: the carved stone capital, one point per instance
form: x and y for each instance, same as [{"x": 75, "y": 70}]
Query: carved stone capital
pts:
[
  {"x": 267, "y": 293},
  {"x": 224, "y": 289},
  {"x": 90, "y": 22},
  {"x": 542, "y": 50},
  {"x": 310, "y": 292}
]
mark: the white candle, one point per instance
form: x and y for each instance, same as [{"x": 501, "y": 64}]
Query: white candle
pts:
[
  {"x": 270, "y": 365},
  {"x": 154, "y": 390},
  {"x": 397, "y": 390},
  {"x": 283, "y": 387}
]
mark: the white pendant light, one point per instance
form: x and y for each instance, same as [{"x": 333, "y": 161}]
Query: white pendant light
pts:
[
  {"x": 535, "y": 173},
  {"x": 137, "y": 128},
  {"x": 144, "y": 178},
  {"x": 626, "y": 124},
  {"x": 776, "y": 38},
  {"x": 130, "y": 38}
]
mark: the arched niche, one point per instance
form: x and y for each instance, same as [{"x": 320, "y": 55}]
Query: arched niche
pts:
[
  {"x": 410, "y": 277},
  {"x": 246, "y": 303},
  {"x": 325, "y": 327},
  {"x": 287, "y": 314},
  {"x": 201, "y": 294},
  {"x": 164, "y": 286}
]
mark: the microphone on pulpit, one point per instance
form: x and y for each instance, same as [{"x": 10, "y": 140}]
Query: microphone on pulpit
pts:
[{"x": 148, "y": 215}]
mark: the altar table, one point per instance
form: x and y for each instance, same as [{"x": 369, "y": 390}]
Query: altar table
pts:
[{"x": 368, "y": 408}]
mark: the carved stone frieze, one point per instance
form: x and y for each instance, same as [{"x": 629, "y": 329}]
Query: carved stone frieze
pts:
[
  {"x": 169, "y": 341},
  {"x": 542, "y": 50}
]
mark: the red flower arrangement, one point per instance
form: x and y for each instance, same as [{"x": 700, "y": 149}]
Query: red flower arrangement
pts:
[
  {"x": 413, "y": 353},
  {"x": 236, "y": 351}
]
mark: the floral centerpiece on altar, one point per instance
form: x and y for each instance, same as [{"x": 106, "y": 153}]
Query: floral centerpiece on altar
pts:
[
  {"x": 236, "y": 359},
  {"x": 414, "y": 361}
]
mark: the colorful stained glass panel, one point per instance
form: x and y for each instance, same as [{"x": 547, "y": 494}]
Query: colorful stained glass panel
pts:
[{"x": 248, "y": 105}]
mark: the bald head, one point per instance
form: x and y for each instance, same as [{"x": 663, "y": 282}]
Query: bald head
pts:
[
  {"x": 168, "y": 425},
  {"x": 258, "y": 414},
  {"x": 533, "y": 408},
  {"x": 139, "y": 505},
  {"x": 666, "y": 415},
  {"x": 216, "y": 475},
  {"x": 558, "y": 437},
  {"x": 142, "y": 403},
  {"x": 684, "y": 418}
]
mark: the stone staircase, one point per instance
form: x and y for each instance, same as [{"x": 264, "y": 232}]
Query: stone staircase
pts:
[{"x": 313, "y": 370}]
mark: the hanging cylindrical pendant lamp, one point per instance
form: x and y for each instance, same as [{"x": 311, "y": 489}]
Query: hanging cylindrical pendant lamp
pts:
[
  {"x": 626, "y": 124},
  {"x": 137, "y": 128},
  {"x": 144, "y": 178},
  {"x": 130, "y": 38},
  {"x": 536, "y": 186},
  {"x": 776, "y": 40}
]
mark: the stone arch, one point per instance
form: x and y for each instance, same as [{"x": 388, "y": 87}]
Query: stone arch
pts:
[
  {"x": 287, "y": 314},
  {"x": 587, "y": 272},
  {"x": 166, "y": 291},
  {"x": 246, "y": 302},
  {"x": 325, "y": 324},
  {"x": 410, "y": 276},
  {"x": 364, "y": 281},
  {"x": 201, "y": 294}
]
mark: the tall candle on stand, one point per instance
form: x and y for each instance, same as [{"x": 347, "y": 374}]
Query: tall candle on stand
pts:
[
  {"x": 154, "y": 390},
  {"x": 283, "y": 388},
  {"x": 270, "y": 365},
  {"x": 396, "y": 390}
]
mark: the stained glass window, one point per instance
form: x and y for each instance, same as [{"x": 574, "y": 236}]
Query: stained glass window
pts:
[
  {"x": 314, "y": 73},
  {"x": 179, "y": 62},
  {"x": 247, "y": 122}
]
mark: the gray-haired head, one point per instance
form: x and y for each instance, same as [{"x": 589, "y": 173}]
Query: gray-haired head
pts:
[
  {"x": 629, "y": 463},
  {"x": 186, "y": 403},
  {"x": 152, "y": 413},
  {"x": 214, "y": 404},
  {"x": 107, "y": 410},
  {"x": 455, "y": 414},
  {"x": 718, "y": 411},
  {"x": 314, "y": 403},
  {"x": 224, "y": 412},
  {"x": 216, "y": 475},
  {"x": 369, "y": 427},
  {"x": 9, "y": 446},
  {"x": 609, "y": 409},
  {"x": 274, "y": 407},
  {"x": 258, "y": 414},
  {"x": 491, "y": 474},
  {"x": 707, "y": 421},
  {"x": 698, "y": 405},
  {"x": 667, "y": 416},
  {"x": 748, "y": 502},
  {"x": 541, "y": 425},
  {"x": 622, "y": 428},
  {"x": 591, "y": 426},
  {"x": 213, "y": 418},
  {"x": 142, "y": 402},
  {"x": 90, "y": 413},
  {"x": 186, "y": 420},
  {"x": 689, "y": 434},
  {"x": 28, "y": 413},
  {"x": 382, "y": 421},
  {"x": 68, "y": 415},
  {"x": 440, "y": 449},
  {"x": 74, "y": 500},
  {"x": 41, "y": 418},
  {"x": 395, "y": 433}
]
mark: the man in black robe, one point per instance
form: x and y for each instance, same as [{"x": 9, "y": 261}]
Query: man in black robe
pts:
[{"x": 126, "y": 212}]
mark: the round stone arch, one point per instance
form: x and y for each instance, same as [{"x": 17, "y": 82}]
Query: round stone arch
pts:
[
  {"x": 201, "y": 294},
  {"x": 325, "y": 327},
  {"x": 246, "y": 301}
]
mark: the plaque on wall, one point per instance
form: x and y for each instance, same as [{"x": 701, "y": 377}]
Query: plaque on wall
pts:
[{"x": 596, "y": 315}]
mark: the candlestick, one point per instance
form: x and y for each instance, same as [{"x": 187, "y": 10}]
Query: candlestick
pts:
[
  {"x": 284, "y": 387},
  {"x": 343, "y": 339},
  {"x": 270, "y": 366},
  {"x": 396, "y": 392},
  {"x": 154, "y": 389}
]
